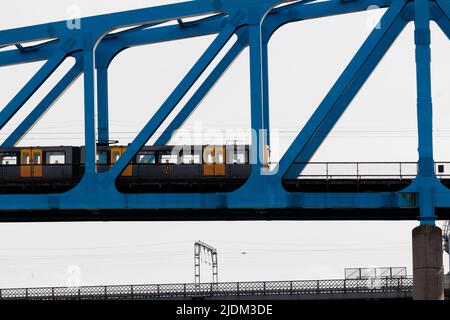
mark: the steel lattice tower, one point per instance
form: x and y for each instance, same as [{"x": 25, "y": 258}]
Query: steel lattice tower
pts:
[{"x": 211, "y": 254}]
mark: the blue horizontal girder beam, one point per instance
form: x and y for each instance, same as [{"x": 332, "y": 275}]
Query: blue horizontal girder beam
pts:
[
  {"x": 108, "y": 22},
  {"x": 274, "y": 20}
]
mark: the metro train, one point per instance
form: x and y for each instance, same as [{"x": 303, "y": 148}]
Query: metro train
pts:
[{"x": 197, "y": 168}]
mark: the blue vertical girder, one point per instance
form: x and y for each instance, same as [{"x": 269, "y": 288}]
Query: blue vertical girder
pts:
[{"x": 253, "y": 22}]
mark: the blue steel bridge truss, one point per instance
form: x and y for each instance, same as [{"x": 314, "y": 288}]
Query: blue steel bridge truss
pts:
[{"x": 94, "y": 46}]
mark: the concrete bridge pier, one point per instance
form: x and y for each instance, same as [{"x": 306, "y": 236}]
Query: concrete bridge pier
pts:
[{"x": 428, "y": 269}]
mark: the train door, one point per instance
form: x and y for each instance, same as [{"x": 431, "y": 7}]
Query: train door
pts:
[
  {"x": 30, "y": 162},
  {"x": 219, "y": 157},
  {"x": 208, "y": 164},
  {"x": 36, "y": 160},
  {"x": 25, "y": 163},
  {"x": 214, "y": 161},
  {"x": 116, "y": 153}
]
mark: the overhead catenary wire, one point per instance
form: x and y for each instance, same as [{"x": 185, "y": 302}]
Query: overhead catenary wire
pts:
[
  {"x": 407, "y": 133},
  {"x": 179, "y": 252}
]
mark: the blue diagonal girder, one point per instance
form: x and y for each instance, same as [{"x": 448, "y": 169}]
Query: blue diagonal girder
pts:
[
  {"x": 43, "y": 106},
  {"x": 445, "y": 6},
  {"x": 445, "y": 26},
  {"x": 171, "y": 102},
  {"x": 341, "y": 101},
  {"x": 31, "y": 87},
  {"x": 442, "y": 19},
  {"x": 325, "y": 116},
  {"x": 184, "y": 112},
  {"x": 201, "y": 92}
]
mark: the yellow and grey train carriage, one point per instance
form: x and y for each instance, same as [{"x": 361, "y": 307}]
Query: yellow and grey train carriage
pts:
[
  {"x": 57, "y": 169},
  {"x": 187, "y": 168}
]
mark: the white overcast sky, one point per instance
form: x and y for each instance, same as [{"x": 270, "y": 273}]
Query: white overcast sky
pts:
[{"x": 305, "y": 60}]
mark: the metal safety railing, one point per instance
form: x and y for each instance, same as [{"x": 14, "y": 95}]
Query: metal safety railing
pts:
[
  {"x": 168, "y": 291},
  {"x": 309, "y": 170},
  {"x": 366, "y": 170},
  {"x": 376, "y": 272}
]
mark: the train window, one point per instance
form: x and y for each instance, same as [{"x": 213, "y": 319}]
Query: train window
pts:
[
  {"x": 214, "y": 155},
  {"x": 219, "y": 156},
  {"x": 188, "y": 159},
  {"x": 37, "y": 157},
  {"x": 209, "y": 158},
  {"x": 240, "y": 157},
  {"x": 26, "y": 158},
  {"x": 115, "y": 156},
  {"x": 56, "y": 157},
  {"x": 168, "y": 158},
  {"x": 146, "y": 158},
  {"x": 191, "y": 159},
  {"x": 102, "y": 157},
  {"x": 8, "y": 159}
]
